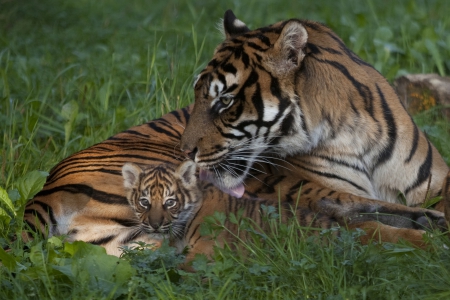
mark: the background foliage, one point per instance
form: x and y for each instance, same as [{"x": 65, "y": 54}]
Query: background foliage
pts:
[{"x": 73, "y": 73}]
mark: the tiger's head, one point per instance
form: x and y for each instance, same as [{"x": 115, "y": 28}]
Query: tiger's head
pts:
[
  {"x": 165, "y": 198},
  {"x": 245, "y": 102}
]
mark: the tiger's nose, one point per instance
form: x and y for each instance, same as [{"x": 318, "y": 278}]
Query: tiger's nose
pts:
[{"x": 191, "y": 154}]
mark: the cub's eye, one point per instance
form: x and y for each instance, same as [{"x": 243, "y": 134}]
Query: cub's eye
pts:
[
  {"x": 144, "y": 202},
  {"x": 170, "y": 203},
  {"x": 226, "y": 100}
]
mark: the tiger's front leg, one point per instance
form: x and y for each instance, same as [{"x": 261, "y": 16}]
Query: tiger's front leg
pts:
[{"x": 344, "y": 207}]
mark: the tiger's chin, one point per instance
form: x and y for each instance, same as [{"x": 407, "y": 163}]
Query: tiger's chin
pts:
[{"x": 227, "y": 183}]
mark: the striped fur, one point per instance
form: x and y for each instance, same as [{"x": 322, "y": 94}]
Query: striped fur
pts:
[
  {"x": 84, "y": 197},
  {"x": 294, "y": 90},
  {"x": 175, "y": 204}
]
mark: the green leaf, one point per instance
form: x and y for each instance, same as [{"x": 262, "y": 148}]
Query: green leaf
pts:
[
  {"x": 106, "y": 273},
  {"x": 30, "y": 184},
  {"x": 232, "y": 218},
  {"x": 14, "y": 195},
  {"x": 6, "y": 209},
  {"x": 5, "y": 201},
  {"x": 7, "y": 260},
  {"x": 220, "y": 217}
]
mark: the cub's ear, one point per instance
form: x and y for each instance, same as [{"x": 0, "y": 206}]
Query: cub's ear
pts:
[
  {"x": 186, "y": 172},
  {"x": 232, "y": 26},
  {"x": 131, "y": 173},
  {"x": 288, "y": 50}
]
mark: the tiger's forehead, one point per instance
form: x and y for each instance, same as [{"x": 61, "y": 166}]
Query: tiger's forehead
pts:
[
  {"x": 217, "y": 82},
  {"x": 159, "y": 182}
]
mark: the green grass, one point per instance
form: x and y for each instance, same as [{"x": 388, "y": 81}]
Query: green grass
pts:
[{"x": 74, "y": 73}]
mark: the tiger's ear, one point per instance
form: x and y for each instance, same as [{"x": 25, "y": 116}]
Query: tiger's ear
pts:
[
  {"x": 289, "y": 48},
  {"x": 186, "y": 172},
  {"x": 131, "y": 173},
  {"x": 232, "y": 26}
]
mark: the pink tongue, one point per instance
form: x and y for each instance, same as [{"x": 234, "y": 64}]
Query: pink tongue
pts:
[{"x": 237, "y": 191}]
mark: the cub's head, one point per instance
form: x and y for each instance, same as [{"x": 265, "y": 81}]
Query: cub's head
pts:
[
  {"x": 245, "y": 102},
  {"x": 165, "y": 198}
]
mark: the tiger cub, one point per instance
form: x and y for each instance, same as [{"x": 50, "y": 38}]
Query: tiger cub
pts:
[{"x": 170, "y": 202}]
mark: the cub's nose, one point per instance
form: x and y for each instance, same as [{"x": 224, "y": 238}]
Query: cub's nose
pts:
[{"x": 156, "y": 226}]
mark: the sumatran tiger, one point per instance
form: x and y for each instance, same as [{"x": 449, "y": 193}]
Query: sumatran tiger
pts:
[
  {"x": 294, "y": 90},
  {"x": 171, "y": 203},
  {"x": 263, "y": 102},
  {"x": 84, "y": 197}
]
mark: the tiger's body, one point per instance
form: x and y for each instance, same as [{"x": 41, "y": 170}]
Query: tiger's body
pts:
[
  {"x": 294, "y": 90},
  {"x": 84, "y": 197},
  {"x": 171, "y": 203},
  {"x": 85, "y": 200}
]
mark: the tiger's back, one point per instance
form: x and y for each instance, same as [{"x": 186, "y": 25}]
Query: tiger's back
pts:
[{"x": 84, "y": 197}]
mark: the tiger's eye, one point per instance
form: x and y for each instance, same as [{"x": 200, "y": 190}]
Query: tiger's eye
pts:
[
  {"x": 170, "y": 203},
  {"x": 144, "y": 202},
  {"x": 226, "y": 100}
]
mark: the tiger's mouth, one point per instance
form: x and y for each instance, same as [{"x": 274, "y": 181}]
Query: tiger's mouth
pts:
[
  {"x": 228, "y": 170},
  {"x": 236, "y": 189}
]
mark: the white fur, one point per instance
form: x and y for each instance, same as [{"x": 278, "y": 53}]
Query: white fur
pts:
[
  {"x": 212, "y": 89},
  {"x": 238, "y": 23}
]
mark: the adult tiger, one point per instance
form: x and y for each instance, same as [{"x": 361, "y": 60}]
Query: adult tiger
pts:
[
  {"x": 294, "y": 90},
  {"x": 171, "y": 203},
  {"x": 84, "y": 197}
]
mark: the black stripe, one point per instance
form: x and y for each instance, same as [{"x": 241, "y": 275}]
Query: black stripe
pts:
[
  {"x": 176, "y": 115},
  {"x": 133, "y": 132},
  {"x": 76, "y": 160},
  {"x": 415, "y": 143},
  {"x": 342, "y": 163},
  {"x": 349, "y": 53},
  {"x": 362, "y": 89},
  {"x": 49, "y": 210},
  {"x": 131, "y": 236},
  {"x": 334, "y": 176},
  {"x": 256, "y": 46},
  {"x": 103, "y": 240},
  {"x": 126, "y": 222},
  {"x": 35, "y": 214},
  {"x": 88, "y": 191},
  {"x": 307, "y": 191},
  {"x": 186, "y": 114},
  {"x": 386, "y": 153},
  {"x": 424, "y": 170},
  {"x": 161, "y": 130},
  {"x": 32, "y": 227},
  {"x": 229, "y": 68}
]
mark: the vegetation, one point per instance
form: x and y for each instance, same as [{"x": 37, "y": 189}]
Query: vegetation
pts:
[{"x": 74, "y": 73}]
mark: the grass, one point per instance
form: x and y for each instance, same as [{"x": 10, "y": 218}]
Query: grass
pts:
[{"x": 76, "y": 72}]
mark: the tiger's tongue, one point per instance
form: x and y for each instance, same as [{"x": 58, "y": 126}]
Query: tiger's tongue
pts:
[{"x": 237, "y": 191}]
